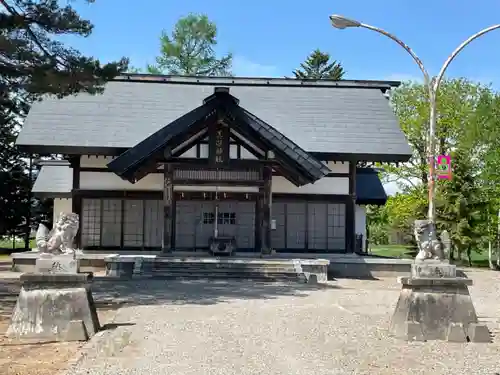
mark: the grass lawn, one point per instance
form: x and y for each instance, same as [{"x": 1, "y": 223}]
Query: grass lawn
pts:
[
  {"x": 403, "y": 252},
  {"x": 7, "y": 243},
  {"x": 7, "y": 246},
  {"x": 392, "y": 251}
]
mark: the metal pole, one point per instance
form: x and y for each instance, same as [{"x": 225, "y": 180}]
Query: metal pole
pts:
[
  {"x": 431, "y": 156},
  {"x": 432, "y": 85},
  {"x": 433, "y": 90},
  {"x": 29, "y": 212}
]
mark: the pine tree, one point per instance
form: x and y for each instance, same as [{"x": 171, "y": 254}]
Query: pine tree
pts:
[
  {"x": 318, "y": 66},
  {"x": 34, "y": 63},
  {"x": 190, "y": 50}
]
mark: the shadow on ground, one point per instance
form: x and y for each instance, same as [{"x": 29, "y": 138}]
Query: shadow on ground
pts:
[
  {"x": 113, "y": 294},
  {"x": 200, "y": 292}
]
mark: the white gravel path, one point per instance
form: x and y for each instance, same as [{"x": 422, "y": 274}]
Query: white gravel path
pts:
[{"x": 216, "y": 328}]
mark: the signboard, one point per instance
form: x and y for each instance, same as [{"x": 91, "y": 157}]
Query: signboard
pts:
[
  {"x": 219, "y": 150},
  {"x": 443, "y": 167},
  {"x": 219, "y": 144}
]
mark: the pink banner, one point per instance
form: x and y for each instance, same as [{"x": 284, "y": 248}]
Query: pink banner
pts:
[{"x": 443, "y": 167}]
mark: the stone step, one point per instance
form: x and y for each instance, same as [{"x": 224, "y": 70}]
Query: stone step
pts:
[
  {"x": 224, "y": 264},
  {"x": 159, "y": 266},
  {"x": 222, "y": 276},
  {"x": 222, "y": 272},
  {"x": 254, "y": 270}
]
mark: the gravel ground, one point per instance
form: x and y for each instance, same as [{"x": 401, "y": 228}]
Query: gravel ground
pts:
[{"x": 215, "y": 328}]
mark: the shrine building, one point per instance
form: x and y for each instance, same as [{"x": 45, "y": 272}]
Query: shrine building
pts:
[{"x": 177, "y": 164}]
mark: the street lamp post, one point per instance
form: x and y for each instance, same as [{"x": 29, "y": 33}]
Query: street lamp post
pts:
[{"x": 432, "y": 84}]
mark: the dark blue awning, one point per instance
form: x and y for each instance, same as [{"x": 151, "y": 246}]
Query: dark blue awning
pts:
[{"x": 369, "y": 188}]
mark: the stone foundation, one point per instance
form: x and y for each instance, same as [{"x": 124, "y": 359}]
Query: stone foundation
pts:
[
  {"x": 436, "y": 309},
  {"x": 341, "y": 265},
  {"x": 54, "y": 307}
]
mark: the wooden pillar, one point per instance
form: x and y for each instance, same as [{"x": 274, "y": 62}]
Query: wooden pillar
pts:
[
  {"x": 266, "y": 206},
  {"x": 168, "y": 242},
  {"x": 351, "y": 210},
  {"x": 76, "y": 198}
]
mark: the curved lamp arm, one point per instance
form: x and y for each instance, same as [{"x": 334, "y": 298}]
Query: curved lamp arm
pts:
[
  {"x": 404, "y": 45},
  {"x": 341, "y": 22},
  {"x": 454, "y": 54}
]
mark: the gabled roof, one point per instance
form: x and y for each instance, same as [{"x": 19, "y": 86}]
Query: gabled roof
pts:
[
  {"x": 340, "y": 120},
  {"x": 299, "y": 166}
]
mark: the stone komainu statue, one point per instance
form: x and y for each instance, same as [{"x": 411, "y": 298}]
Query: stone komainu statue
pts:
[
  {"x": 430, "y": 246},
  {"x": 60, "y": 240}
]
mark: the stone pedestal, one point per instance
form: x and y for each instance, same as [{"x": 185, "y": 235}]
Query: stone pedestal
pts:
[
  {"x": 434, "y": 304},
  {"x": 54, "y": 307},
  {"x": 433, "y": 269},
  {"x": 54, "y": 264}
]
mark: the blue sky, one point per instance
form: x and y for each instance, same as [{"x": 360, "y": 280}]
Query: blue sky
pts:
[{"x": 272, "y": 37}]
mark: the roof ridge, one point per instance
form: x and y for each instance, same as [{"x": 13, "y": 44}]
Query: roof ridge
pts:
[
  {"x": 64, "y": 163},
  {"x": 255, "y": 81}
]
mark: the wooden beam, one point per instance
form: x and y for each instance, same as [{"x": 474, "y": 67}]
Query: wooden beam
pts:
[
  {"x": 219, "y": 182},
  {"x": 168, "y": 209},
  {"x": 351, "y": 210},
  {"x": 266, "y": 203},
  {"x": 76, "y": 200},
  {"x": 234, "y": 164}
]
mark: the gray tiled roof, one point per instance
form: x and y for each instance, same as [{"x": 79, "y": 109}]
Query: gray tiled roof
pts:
[
  {"x": 54, "y": 179},
  {"x": 130, "y": 164},
  {"x": 353, "y": 119}
]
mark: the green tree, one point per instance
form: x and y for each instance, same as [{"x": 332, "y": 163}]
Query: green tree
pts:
[
  {"x": 460, "y": 108},
  {"x": 404, "y": 208},
  {"x": 33, "y": 63},
  {"x": 14, "y": 179},
  {"x": 461, "y": 205},
  {"x": 190, "y": 50},
  {"x": 378, "y": 228},
  {"x": 488, "y": 146},
  {"x": 14, "y": 200},
  {"x": 319, "y": 66},
  {"x": 464, "y": 205}
]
